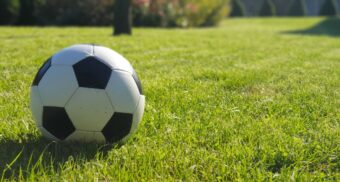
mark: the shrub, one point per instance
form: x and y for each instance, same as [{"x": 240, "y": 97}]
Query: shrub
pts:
[
  {"x": 183, "y": 13},
  {"x": 268, "y": 8},
  {"x": 203, "y": 12},
  {"x": 329, "y": 8},
  {"x": 75, "y": 12},
  {"x": 297, "y": 8},
  {"x": 8, "y": 11},
  {"x": 155, "y": 12},
  {"x": 216, "y": 14},
  {"x": 237, "y": 8}
]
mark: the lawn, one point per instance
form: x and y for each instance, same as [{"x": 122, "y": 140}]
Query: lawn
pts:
[{"x": 248, "y": 100}]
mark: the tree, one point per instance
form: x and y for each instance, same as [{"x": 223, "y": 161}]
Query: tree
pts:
[
  {"x": 329, "y": 8},
  {"x": 268, "y": 8},
  {"x": 237, "y": 8},
  {"x": 122, "y": 17},
  {"x": 8, "y": 11},
  {"x": 26, "y": 12},
  {"x": 297, "y": 8}
]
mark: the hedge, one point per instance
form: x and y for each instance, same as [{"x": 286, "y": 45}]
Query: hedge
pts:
[{"x": 268, "y": 8}]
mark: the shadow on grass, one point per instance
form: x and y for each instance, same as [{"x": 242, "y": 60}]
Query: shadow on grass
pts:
[
  {"x": 41, "y": 154},
  {"x": 328, "y": 27}
]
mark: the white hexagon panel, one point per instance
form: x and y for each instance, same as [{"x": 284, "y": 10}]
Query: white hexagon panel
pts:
[
  {"x": 71, "y": 55},
  {"x": 89, "y": 109},
  {"x": 112, "y": 58},
  {"x": 36, "y": 105},
  {"x": 138, "y": 114},
  {"x": 123, "y": 91},
  {"x": 57, "y": 86},
  {"x": 137, "y": 117}
]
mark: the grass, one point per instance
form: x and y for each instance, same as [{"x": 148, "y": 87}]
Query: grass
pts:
[{"x": 243, "y": 101}]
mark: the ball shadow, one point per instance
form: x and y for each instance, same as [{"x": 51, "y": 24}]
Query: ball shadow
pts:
[{"x": 35, "y": 153}]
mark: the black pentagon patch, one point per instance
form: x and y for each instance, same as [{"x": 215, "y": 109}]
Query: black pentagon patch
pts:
[
  {"x": 91, "y": 73},
  {"x": 57, "y": 122},
  {"x": 118, "y": 127},
  {"x": 138, "y": 82},
  {"x": 42, "y": 70}
]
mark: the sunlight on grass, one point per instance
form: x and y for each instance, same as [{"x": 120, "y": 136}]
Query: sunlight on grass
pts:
[{"x": 245, "y": 100}]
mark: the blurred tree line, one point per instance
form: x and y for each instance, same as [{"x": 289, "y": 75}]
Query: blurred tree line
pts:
[
  {"x": 165, "y": 13},
  {"x": 56, "y": 12},
  {"x": 284, "y": 7}
]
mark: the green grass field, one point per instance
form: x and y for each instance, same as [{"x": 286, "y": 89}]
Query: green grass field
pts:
[{"x": 248, "y": 100}]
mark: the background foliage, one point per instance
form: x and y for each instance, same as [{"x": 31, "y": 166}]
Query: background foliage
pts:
[
  {"x": 155, "y": 13},
  {"x": 267, "y": 9},
  {"x": 237, "y": 8},
  {"x": 164, "y": 13},
  {"x": 8, "y": 11},
  {"x": 329, "y": 8},
  {"x": 285, "y": 7},
  {"x": 75, "y": 12},
  {"x": 183, "y": 13},
  {"x": 297, "y": 8}
]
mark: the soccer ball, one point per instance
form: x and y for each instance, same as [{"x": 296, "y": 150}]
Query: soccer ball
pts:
[{"x": 87, "y": 93}]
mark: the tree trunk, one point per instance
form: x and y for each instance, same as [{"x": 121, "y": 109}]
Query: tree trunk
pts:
[{"x": 122, "y": 17}]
